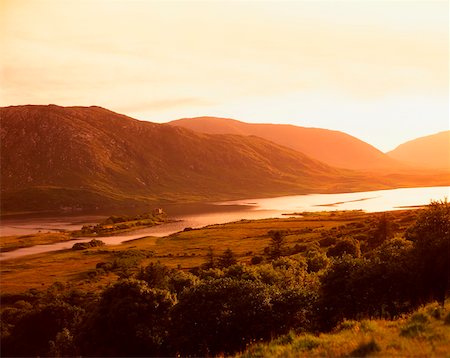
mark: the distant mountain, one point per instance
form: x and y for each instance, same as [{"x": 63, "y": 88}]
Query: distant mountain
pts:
[
  {"x": 334, "y": 148},
  {"x": 85, "y": 157},
  {"x": 432, "y": 151}
]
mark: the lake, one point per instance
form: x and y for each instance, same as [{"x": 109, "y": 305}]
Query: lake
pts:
[{"x": 218, "y": 213}]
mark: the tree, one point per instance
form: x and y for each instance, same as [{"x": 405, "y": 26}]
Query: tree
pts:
[
  {"x": 383, "y": 231},
  {"x": 431, "y": 238},
  {"x": 32, "y": 334},
  {"x": 221, "y": 316},
  {"x": 276, "y": 246},
  {"x": 316, "y": 260},
  {"x": 210, "y": 259},
  {"x": 131, "y": 319},
  {"x": 347, "y": 246},
  {"x": 227, "y": 259},
  {"x": 156, "y": 275}
]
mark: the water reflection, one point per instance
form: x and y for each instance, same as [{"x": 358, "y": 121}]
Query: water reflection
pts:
[{"x": 372, "y": 201}]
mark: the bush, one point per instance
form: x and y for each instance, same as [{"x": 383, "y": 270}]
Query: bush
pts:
[
  {"x": 316, "y": 260},
  {"x": 131, "y": 319},
  {"x": 416, "y": 325},
  {"x": 345, "y": 246},
  {"x": 366, "y": 348},
  {"x": 221, "y": 316},
  {"x": 447, "y": 319},
  {"x": 87, "y": 245},
  {"x": 255, "y": 260}
]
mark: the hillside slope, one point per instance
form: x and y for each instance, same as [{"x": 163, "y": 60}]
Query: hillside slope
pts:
[
  {"x": 432, "y": 151},
  {"x": 334, "y": 148},
  {"x": 85, "y": 157},
  {"x": 424, "y": 333}
]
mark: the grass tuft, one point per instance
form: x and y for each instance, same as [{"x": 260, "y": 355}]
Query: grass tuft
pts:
[{"x": 366, "y": 348}]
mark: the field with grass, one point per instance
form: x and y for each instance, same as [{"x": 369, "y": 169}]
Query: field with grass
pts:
[
  {"x": 188, "y": 249},
  {"x": 424, "y": 333},
  {"x": 10, "y": 243}
]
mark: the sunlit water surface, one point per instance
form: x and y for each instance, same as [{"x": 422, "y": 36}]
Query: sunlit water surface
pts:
[{"x": 371, "y": 201}]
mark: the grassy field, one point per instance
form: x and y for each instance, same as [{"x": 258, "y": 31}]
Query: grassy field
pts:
[
  {"x": 424, "y": 333},
  {"x": 9, "y": 243},
  {"x": 188, "y": 249}
]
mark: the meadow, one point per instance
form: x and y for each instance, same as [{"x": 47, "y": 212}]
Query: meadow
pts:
[{"x": 186, "y": 249}]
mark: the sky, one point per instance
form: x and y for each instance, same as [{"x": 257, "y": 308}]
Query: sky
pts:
[{"x": 378, "y": 70}]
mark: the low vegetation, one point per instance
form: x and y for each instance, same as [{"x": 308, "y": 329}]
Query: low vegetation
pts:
[
  {"x": 119, "y": 224},
  {"x": 10, "y": 243},
  {"x": 423, "y": 333},
  {"x": 335, "y": 284}
]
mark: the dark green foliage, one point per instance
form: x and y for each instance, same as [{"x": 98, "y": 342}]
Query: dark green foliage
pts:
[
  {"x": 276, "y": 247},
  {"x": 347, "y": 246},
  {"x": 381, "y": 285},
  {"x": 162, "y": 277},
  {"x": 255, "y": 260},
  {"x": 383, "y": 231},
  {"x": 87, "y": 245},
  {"x": 211, "y": 260},
  {"x": 316, "y": 260},
  {"x": 38, "y": 327},
  {"x": 416, "y": 325},
  {"x": 156, "y": 275},
  {"x": 131, "y": 319},
  {"x": 431, "y": 237},
  {"x": 293, "y": 308},
  {"x": 119, "y": 223},
  {"x": 126, "y": 263},
  {"x": 227, "y": 259},
  {"x": 221, "y": 316},
  {"x": 366, "y": 348},
  {"x": 447, "y": 319}
]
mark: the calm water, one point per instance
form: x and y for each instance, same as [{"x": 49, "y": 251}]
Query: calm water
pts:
[{"x": 371, "y": 201}]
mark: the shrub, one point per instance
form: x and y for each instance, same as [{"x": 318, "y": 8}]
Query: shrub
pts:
[
  {"x": 87, "y": 245},
  {"x": 255, "y": 260},
  {"x": 416, "y": 325},
  {"x": 366, "y": 348},
  {"x": 221, "y": 316},
  {"x": 345, "y": 246},
  {"x": 447, "y": 319},
  {"x": 131, "y": 319}
]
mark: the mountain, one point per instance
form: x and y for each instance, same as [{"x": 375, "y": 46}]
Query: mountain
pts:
[
  {"x": 432, "y": 151},
  {"x": 86, "y": 157},
  {"x": 334, "y": 148},
  {"x": 83, "y": 158}
]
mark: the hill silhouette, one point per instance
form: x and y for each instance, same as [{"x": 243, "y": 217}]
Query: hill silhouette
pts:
[
  {"x": 431, "y": 151},
  {"x": 83, "y": 158},
  {"x": 334, "y": 148}
]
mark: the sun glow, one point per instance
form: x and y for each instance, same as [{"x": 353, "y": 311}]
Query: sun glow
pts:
[{"x": 359, "y": 67}]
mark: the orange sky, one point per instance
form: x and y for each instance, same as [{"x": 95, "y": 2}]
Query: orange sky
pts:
[{"x": 374, "y": 69}]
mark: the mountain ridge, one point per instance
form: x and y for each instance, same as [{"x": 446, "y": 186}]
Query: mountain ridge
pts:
[
  {"x": 431, "y": 151},
  {"x": 89, "y": 158},
  {"x": 52, "y": 154},
  {"x": 332, "y": 147}
]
